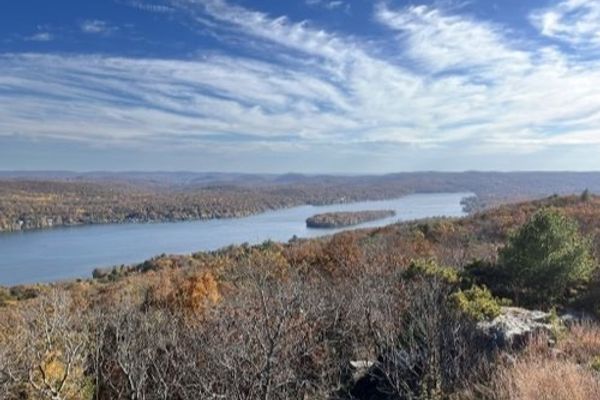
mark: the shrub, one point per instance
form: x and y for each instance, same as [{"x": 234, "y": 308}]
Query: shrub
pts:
[
  {"x": 430, "y": 269},
  {"x": 5, "y": 296},
  {"x": 101, "y": 273},
  {"x": 546, "y": 257},
  {"x": 22, "y": 292},
  {"x": 589, "y": 300},
  {"x": 477, "y": 302},
  {"x": 429, "y": 353},
  {"x": 488, "y": 274},
  {"x": 596, "y": 364}
]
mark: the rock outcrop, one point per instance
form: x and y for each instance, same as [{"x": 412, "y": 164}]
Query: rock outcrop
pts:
[
  {"x": 514, "y": 326},
  {"x": 510, "y": 331}
]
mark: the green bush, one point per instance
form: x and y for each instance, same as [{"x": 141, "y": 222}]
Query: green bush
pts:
[
  {"x": 545, "y": 258},
  {"x": 5, "y": 296},
  {"x": 596, "y": 364},
  {"x": 430, "y": 269},
  {"x": 23, "y": 292},
  {"x": 588, "y": 299},
  {"x": 478, "y": 303},
  {"x": 488, "y": 274}
]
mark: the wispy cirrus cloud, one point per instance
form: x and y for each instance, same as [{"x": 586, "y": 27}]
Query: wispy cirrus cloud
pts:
[
  {"x": 443, "y": 81},
  {"x": 299, "y": 36},
  {"x": 440, "y": 41},
  {"x": 573, "y": 21}
]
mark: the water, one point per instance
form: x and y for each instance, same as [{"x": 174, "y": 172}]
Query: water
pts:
[{"x": 65, "y": 253}]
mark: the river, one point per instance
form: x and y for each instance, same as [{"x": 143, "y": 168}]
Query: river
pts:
[{"x": 67, "y": 253}]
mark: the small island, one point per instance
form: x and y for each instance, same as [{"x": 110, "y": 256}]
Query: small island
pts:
[{"x": 342, "y": 219}]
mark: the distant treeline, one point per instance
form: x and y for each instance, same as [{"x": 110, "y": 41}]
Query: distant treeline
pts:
[{"x": 42, "y": 200}]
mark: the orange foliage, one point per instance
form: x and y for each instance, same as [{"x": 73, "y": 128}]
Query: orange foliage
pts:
[
  {"x": 190, "y": 294},
  {"x": 197, "y": 292},
  {"x": 342, "y": 255},
  {"x": 270, "y": 261},
  {"x": 304, "y": 253}
]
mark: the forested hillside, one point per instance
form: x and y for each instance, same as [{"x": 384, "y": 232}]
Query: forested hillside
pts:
[
  {"x": 387, "y": 313},
  {"x": 30, "y": 201}
]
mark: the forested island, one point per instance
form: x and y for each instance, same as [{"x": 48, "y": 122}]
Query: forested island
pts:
[
  {"x": 421, "y": 310},
  {"x": 342, "y": 219},
  {"x": 30, "y": 200}
]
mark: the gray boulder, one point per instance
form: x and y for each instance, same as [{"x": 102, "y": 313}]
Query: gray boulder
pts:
[
  {"x": 573, "y": 317},
  {"x": 514, "y": 327}
]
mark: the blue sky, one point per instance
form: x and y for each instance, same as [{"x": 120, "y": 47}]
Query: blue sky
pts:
[{"x": 306, "y": 85}]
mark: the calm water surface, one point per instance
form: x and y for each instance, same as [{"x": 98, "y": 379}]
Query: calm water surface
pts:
[{"x": 63, "y": 253}]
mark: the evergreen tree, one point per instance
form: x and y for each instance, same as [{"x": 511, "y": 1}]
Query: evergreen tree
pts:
[{"x": 545, "y": 258}]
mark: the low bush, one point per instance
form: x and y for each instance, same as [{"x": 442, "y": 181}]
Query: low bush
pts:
[
  {"x": 595, "y": 365},
  {"x": 430, "y": 269},
  {"x": 478, "y": 303},
  {"x": 429, "y": 353},
  {"x": 5, "y": 296},
  {"x": 23, "y": 292}
]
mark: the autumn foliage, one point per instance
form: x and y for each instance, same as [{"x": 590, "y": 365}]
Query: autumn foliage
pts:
[{"x": 285, "y": 321}]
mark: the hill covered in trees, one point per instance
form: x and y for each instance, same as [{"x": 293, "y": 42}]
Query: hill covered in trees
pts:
[
  {"x": 30, "y": 200},
  {"x": 386, "y": 313}
]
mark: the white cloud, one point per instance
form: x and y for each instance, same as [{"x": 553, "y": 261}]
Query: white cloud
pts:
[
  {"x": 573, "y": 21},
  {"x": 475, "y": 89},
  {"x": 298, "y": 36},
  {"x": 41, "y": 37},
  {"x": 526, "y": 97},
  {"x": 154, "y": 8},
  {"x": 329, "y": 4},
  {"x": 97, "y": 27},
  {"x": 450, "y": 41}
]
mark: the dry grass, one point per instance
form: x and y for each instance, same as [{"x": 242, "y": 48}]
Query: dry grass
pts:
[
  {"x": 544, "y": 372},
  {"x": 582, "y": 343},
  {"x": 547, "y": 379},
  {"x": 560, "y": 373}
]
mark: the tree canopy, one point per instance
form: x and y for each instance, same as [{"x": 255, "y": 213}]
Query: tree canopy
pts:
[{"x": 546, "y": 257}]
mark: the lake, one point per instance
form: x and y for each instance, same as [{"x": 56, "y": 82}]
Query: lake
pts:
[{"x": 66, "y": 253}]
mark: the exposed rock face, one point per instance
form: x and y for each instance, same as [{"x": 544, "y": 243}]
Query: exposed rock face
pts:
[{"x": 513, "y": 328}]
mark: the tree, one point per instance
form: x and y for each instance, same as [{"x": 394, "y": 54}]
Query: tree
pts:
[
  {"x": 586, "y": 195},
  {"x": 44, "y": 355},
  {"x": 546, "y": 257}
]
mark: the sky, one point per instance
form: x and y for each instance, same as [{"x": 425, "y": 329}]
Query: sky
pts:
[{"x": 312, "y": 86}]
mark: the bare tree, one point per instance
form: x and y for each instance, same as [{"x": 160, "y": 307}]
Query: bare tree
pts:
[
  {"x": 427, "y": 351},
  {"x": 45, "y": 354}
]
